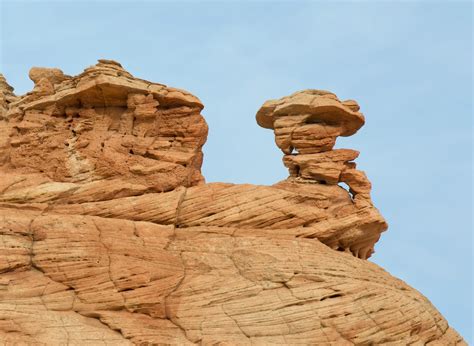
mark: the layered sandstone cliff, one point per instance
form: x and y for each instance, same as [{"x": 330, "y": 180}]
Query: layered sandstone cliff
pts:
[{"x": 109, "y": 235}]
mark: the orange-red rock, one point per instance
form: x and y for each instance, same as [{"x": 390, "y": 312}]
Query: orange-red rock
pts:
[
  {"x": 105, "y": 124},
  {"x": 108, "y": 234}
]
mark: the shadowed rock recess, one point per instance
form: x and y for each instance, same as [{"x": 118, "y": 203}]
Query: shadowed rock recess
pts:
[{"x": 109, "y": 235}]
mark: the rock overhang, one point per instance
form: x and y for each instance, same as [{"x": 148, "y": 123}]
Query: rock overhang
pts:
[
  {"x": 318, "y": 106},
  {"x": 106, "y": 90}
]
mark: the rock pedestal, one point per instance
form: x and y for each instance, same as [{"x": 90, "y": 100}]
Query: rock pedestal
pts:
[{"x": 306, "y": 125}]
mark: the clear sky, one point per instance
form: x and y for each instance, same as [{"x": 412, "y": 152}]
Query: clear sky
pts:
[{"x": 408, "y": 64}]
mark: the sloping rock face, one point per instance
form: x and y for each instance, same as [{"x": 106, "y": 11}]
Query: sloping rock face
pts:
[{"x": 109, "y": 234}]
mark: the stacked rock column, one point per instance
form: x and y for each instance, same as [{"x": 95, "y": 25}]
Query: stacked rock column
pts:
[{"x": 306, "y": 125}]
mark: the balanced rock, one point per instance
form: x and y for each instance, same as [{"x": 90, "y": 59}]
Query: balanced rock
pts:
[
  {"x": 109, "y": 235},
  {"x": 310, "y": 120},
  {"x": 309, "y": 123}
]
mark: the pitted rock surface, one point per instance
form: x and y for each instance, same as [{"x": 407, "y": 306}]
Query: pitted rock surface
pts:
[
  {"x": 109, "y": 235},
  {"x": 105, "y": 124}
]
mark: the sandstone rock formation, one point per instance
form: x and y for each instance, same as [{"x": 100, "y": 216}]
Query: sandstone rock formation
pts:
[
  {"x": 109, "y": 235},
  {"x": 105, "y": 124}
]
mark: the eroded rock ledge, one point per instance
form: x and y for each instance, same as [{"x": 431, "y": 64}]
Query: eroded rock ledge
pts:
[
  {"x": 105, "y": 124},
  {"x": 109, "y": 235}
]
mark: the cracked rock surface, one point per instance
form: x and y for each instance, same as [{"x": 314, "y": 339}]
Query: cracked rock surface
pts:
[{"x": 109, "y": 235}]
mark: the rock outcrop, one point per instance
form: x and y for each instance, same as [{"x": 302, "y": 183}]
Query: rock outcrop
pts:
[
  {"x": 105, "y": 124},
  {"x": 109, "y": 235},
  {"x": 309, "y": 122}
]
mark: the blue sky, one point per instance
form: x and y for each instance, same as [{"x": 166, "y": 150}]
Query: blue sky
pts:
[{"x": 408, "y": 64}]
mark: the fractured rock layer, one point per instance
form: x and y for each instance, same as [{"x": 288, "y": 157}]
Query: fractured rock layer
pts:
[
  {"x": 108, "y": 234},
  {"x": 105, "y": 124}
]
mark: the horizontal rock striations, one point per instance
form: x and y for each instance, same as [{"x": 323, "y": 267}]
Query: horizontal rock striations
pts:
[
  {"x": 309, "y": 122},
  {"x": 105, "y": 124},
  {"x": 306, "y": 125},
  {"x": 108, "y": 234}
]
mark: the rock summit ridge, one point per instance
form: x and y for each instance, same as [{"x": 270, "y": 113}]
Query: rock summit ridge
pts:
[{"x": 109, "y": 234}]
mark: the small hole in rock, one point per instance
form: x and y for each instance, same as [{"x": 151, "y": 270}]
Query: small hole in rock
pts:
[
  {"x": 131, "y": 151},
  {"x": 297, "y": 170},
  {"x": 347, "y": 188}
]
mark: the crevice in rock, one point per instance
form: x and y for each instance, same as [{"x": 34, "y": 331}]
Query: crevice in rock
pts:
[
  {"x": 96, "y": 316},
  {"x": 107, "y": 251},
  {"x": 235, "y": 321}
]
